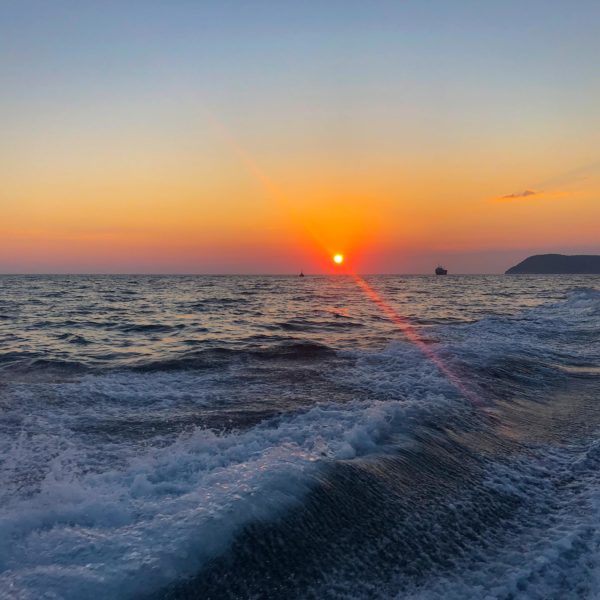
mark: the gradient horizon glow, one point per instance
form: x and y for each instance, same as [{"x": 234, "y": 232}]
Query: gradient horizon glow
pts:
[{"x": 266, "y": 137}]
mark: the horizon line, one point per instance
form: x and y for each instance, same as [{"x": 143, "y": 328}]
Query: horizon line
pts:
[{"x": 257, "y": 274}]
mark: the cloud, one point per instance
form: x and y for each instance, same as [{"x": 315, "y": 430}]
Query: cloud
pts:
[
  {"x": 551, "y": 188},
  {"x": 523, "y": 194},
  {"x": 572, "y": 176}
]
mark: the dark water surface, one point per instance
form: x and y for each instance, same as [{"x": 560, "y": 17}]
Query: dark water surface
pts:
[{"x": 276, "y": 437}]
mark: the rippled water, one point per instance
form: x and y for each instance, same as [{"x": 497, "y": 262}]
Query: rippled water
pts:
[{"x": 276, "y": 437}]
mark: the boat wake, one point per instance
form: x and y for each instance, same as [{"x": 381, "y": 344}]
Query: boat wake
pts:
[{"x": 386, "y": 482}]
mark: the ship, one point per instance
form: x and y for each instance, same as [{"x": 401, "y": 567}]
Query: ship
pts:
[
  {"x": 441, "y": 271},
  {"x": 301, "y": 274}
]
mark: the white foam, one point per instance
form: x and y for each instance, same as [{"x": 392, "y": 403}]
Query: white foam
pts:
[
  {"x": 552, "y": 550},
  {"x": 120, "y": 531}
]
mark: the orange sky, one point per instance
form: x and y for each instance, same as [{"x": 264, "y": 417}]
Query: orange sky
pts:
[{"x": 269, "y": 159}]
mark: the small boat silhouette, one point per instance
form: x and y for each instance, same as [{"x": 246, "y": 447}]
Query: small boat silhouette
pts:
[
  {"x": 301, "y": 274},
  {"x": 441, "y": 271}
]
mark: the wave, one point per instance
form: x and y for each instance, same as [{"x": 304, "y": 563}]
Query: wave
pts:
[
  {"x": 148, "y": 328},
  {"x": 32, "y": 362},
  {"x": 73, "y": 338},
  {"x": 218, "y": 357},
  {"x": 548, "y": 548},
  {"x": 164, "y": 510},
  {"x": 294, "y": 350},
  {"x": 129, "y": 531},
  {"x": 207, "y": 304},
  {"x": 309, "y": 325},
  {"x": 215, "y": 357}
]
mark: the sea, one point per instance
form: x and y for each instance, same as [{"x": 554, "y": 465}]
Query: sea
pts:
[{"x": 266, "y": 437}]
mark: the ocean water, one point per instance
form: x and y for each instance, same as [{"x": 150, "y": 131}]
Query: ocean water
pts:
[{"x": 276, "y": 437}]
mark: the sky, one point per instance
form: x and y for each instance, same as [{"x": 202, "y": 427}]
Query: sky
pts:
[{"x": 190, "y": 136}]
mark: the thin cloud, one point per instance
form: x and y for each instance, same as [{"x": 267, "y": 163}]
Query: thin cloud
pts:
[
  {"x": 523, "y": 194},
  {"x": 566, "y": 179},
  {"x": 573, "y": 176}
]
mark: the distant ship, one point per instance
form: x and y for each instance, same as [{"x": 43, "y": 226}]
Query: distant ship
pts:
[
  {"x": 441, "y": 271},
  {"x": 301, "y": 274}
]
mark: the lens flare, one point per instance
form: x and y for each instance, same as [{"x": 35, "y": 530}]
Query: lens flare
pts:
[
  {"x": 415, "y": 337},
  {"x": 401, "y": 323}
]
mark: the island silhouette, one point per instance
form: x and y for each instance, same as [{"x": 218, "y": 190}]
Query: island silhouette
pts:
[{"x": 557, "y": 264}]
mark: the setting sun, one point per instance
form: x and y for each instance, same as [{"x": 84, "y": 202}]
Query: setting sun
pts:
[{"x": 338, "y": 259}]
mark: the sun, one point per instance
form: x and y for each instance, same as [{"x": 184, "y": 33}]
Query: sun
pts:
[{"x": 338, "y": 259}]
